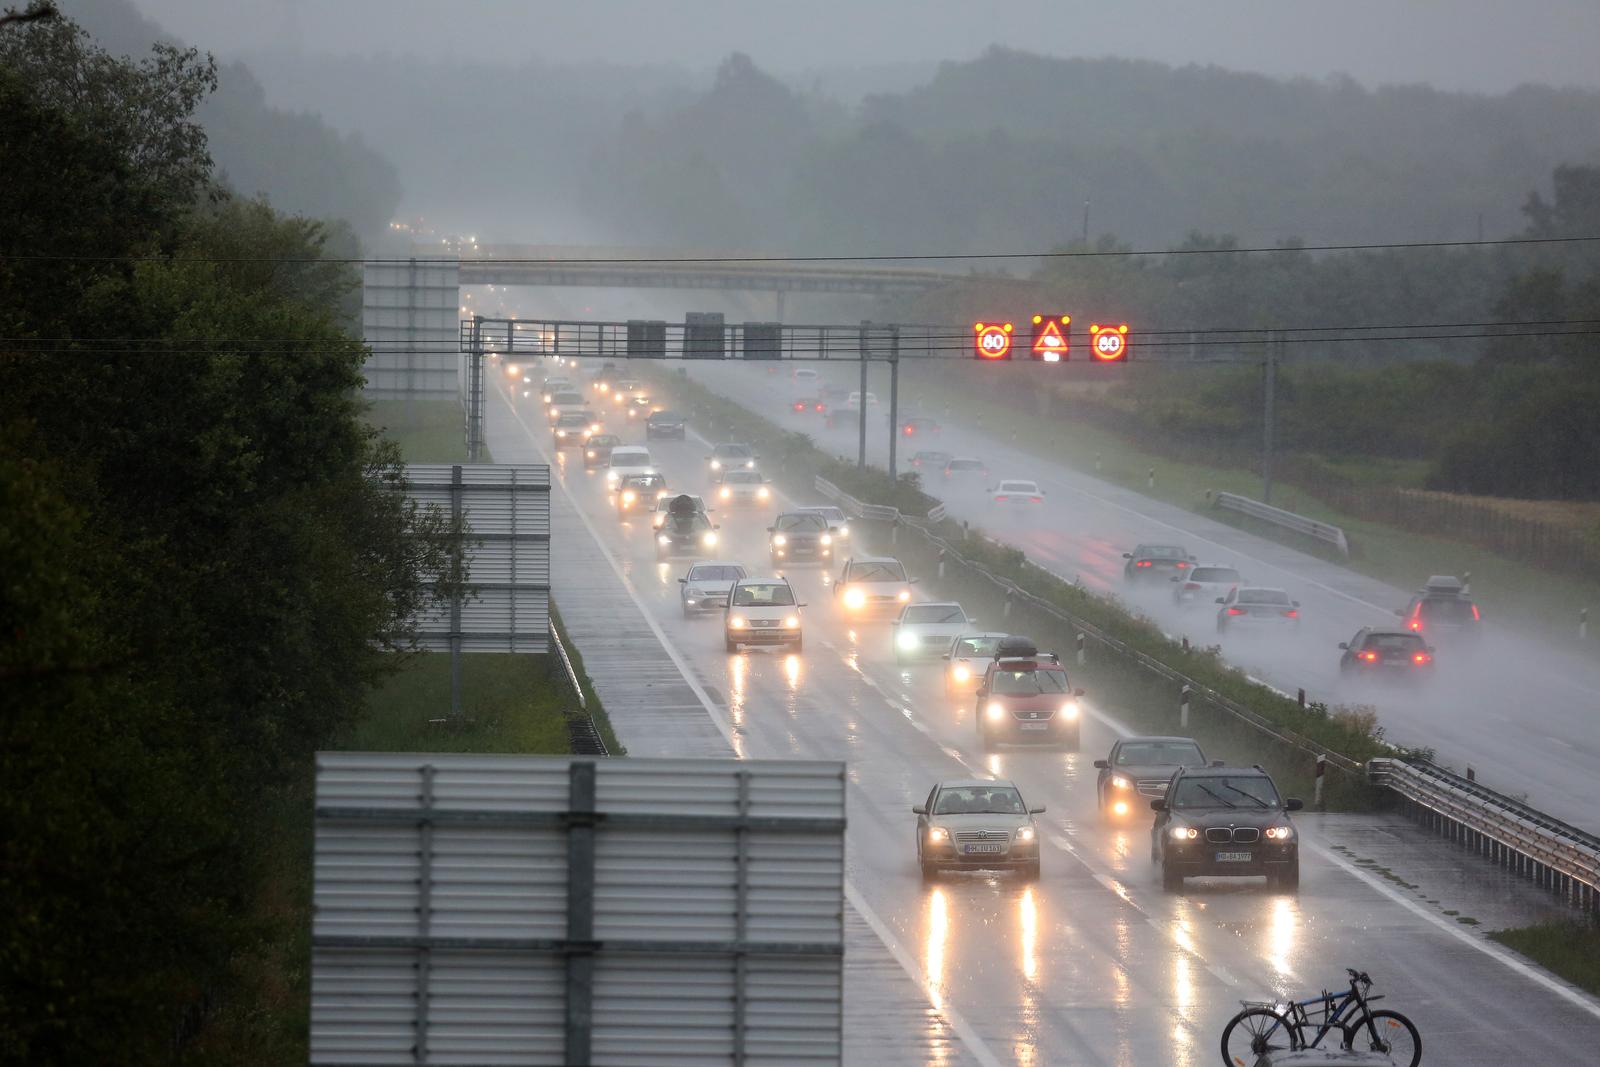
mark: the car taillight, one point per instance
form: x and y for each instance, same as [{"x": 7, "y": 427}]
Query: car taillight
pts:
[
  {"x": 1370, "y": 657},
  {"x": 1000, "y": 498},
  {"x": 799, "y": 407},
  {"x": 910, "y": 430},
  {"x": 1142, "y": 563},
  {"x": 1291, "y": 614},
  {"x": 1237, "y": 611},
  {"x": 1037, "y": 499},
  {"x": 1421, "y": 657},
  {"x": 1190, "y": 585},
  {"x": 1182, "y": 566},
  {"x": 1416, "y": 617},
  {"x": 1475, "y": 616}
]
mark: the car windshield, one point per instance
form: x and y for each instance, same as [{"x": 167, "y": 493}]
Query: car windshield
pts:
[
  {"x": 813, "y": 523},
  {"x": 935, "y": 613},
  {"x": 887, "y": 571},
  {"x": 603, "y": 440},
  {"x": 732, "y": 452},
  {"x": 976, "y": 647},
  {"x": 644, "y": 481},
  {"x": 664, "y": 416},
  {"x": 694, "y": 522},
  {"x": 1226, "y": 791},
  {"x": 830, "y": 514},
  {"x": 629, "y": 457},
  {"x": 1160, "y": 552},
  {"x": 1395, "y": 642},
  {"x": 1018, "y": 487},
  {"x": 573, "y": 418},
  {"x": 1263, "y": 596},
  {"x": 1030, "y": 682},
  {"x": 1218, "y": 575},
  {"x": 775, "y": 594},
  {"x": 1451, "y": 609},
  {"x": 567, "y": 398},
  {"x": 979, "y": 800},
  {"x": 1160, "y": 754},
  {"x": 716, "y": 573},
  {"x": 965, "y": 465},
  {"x": 743, "y": 478}
]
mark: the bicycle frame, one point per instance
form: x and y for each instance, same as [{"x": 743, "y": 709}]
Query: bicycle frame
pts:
[{"x": 1341, "y": 1011}]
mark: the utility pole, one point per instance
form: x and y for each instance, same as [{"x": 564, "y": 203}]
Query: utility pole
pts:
[
  {"x": 894, "y": 397},
  {"x": 1269, "y": 418},
  {"x": 1086, "y": 222},
  {"x": 861, "y": 401}
]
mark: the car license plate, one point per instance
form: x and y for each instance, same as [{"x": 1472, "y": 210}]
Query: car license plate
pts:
[
  {"x": 763, "y": 625},
  {"x": 1233, "y": 857},
  {"x": 1034, "y": 726},
  {"x": 976, "y": 849}
]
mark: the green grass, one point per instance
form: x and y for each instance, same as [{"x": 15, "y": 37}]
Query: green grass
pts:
[
  {"x": 1568, "y": 949},
  {"x": 1531, "y": 598},
  {"x": 429, "y": 431}
]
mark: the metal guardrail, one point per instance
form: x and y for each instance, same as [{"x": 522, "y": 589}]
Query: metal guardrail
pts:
[
  {"x": 584, "y": 737},
  {"x": 1320, "y": 531},
  {"x": 862, "y": 510},
  {"x": 1552, "y": 853}
]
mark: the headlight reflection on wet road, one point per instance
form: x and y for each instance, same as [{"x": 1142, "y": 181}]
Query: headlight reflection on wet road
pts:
[{"x": 938, "y": 931}]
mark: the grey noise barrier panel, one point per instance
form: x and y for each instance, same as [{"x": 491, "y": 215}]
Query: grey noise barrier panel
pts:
[{"x": 562, "y": 910}]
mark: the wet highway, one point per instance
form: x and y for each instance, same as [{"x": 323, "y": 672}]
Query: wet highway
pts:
[
  {"x": 1094, "y": 964},
  {"x": 1524, "y": 717}
]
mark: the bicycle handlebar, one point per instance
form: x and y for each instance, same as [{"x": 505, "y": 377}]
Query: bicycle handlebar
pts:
[{"x": 1358, "y": 976}]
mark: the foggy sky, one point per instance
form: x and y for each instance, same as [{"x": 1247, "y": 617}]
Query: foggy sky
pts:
[{"x": 1484, "y": 45}]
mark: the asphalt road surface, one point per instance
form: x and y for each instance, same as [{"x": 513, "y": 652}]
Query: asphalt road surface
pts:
[{"x": 1094, "y": 964}]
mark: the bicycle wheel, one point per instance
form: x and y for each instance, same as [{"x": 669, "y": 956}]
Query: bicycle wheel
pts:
[
  {"x": 1254, "y": 1033},
  {"x": 1397, "y": 1038}
]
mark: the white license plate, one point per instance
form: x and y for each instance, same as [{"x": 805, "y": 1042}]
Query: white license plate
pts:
[
  {"x": 975, "y": 849},
  {"x": 763, "y": 625},
  {"x": 1034, "y": 726},
  {"x": 1233, "y": 857}
]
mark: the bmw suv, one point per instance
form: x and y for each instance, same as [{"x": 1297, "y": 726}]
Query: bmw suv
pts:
[{"x": 1225, "y": 822}]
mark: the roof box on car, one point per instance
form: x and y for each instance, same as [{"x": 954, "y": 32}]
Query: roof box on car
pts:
[
  {"x": 1015, "y": 645},
  {"x": 1444, "y": 585}
]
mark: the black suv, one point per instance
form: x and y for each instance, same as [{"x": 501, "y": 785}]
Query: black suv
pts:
[
  {"x": 1156, "y": 561},
  {"x": 1139, "y": 769},
  {"x": 1225, "y": 822},
  {"x": 1442, "y": 610},
  {"x": 1391, "y": 655}
]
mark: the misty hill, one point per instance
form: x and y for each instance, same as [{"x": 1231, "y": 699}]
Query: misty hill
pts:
[{"x": 298, "y": 161}]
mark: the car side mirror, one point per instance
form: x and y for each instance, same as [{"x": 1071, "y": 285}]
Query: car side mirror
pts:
[
  {"x": 1103, "y": 765},
  {"x": 1296, "y": 603},
  {"x": 1293, "y": 804},
  {"x": 772, "y": 529},
  {"x": 1036, "y": 811},
  {"x": 801, "y": 604},
  {"x": 1127, "y": 555},
  {"x": 683, "y": 581},
  {"x": 1222, "y": 600},
  {"x": 983, "y": 690},
  {"x": 945, "y": 656},
  {"x": 919, "y": 809},
  {"x": 716, "y": 526},
  {"x": 1431, "y": 649},
  {"x": 1344, "y": 645},
  {"x": 1158, "y": 805},
  {"x": 1078, "y": 692}
]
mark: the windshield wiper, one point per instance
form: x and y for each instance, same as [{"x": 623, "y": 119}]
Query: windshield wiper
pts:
[
  {"x": 1219, "y": 797},
  {"x": 1242, "y": 793}
]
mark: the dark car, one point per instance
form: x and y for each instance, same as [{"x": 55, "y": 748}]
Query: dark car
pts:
[
  {"x": 920, "y": 427},
  {"x": 1156, "y": 562},
  {"x": 637, "y": 493},
  {"x": 799, "y": 535},
  {"x": 1025, "y": 697},
  {"x": 597, "y": 452},
  {"x": 1442, "y": 610},
  {"x": 809, "y": 405},
  {"x": 686, "y": 531},
  {"x": 1392, "y": 655},
  {"x": 1225, "y": 822},
  {"x": 965, "y": 468},
  {"x": 929, "y": 459},
  {"x": 1138, "y": 770},
  {"x": 665, "y": 424}
]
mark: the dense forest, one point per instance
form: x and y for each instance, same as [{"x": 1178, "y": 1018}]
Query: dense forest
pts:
[{"x": 209, "y": 556}]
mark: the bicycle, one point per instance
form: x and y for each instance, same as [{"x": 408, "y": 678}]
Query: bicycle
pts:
[{"x": 1263, "y": 1028}]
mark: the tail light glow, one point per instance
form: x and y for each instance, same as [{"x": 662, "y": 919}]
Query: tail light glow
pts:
[
  {"x": 1037, "y": 499},
  {"x": 1001, "y": 499},
  {"x": 1291, "y": 614},
  {"x": 1368, "y": 655},
  {"x": 1421, "y": 657},
  {"x": 1237, "y": 611},
  {"x": 1475, "y": 616}
]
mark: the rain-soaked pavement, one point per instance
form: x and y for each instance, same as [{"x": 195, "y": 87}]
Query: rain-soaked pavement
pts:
[{"x": 1094, "y": 964}]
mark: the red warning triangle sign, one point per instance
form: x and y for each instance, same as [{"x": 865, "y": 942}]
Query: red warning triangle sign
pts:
[{"x": 1049, "y": 340}]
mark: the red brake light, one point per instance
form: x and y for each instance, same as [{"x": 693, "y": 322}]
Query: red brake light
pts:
[
  {"x": 1291, "y": 614},
  {"x": 910, "y": 430},
  {"x": 1142, "y": 563},
  {"x": 1037, "y": 499},
  {"x": 1182, "y": 565},
  {"x": 1236, "y": 611},
  {"x": 1475, "y": 616},
  {"x": 1421, "y": 657},
  {"x": 1370, "y": 657},
  {"x": 999, "y": 498}
]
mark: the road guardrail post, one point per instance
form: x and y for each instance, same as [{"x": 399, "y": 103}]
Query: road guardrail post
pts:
[
  {"x": 1080, "y": 648},
  {"x": 1322, "y": 770},
  {"x": 1583, "y": 624},
  {"x": 1183, "y": 707}
]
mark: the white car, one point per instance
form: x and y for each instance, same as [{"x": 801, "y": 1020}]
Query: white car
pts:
[
  {"x": 743, "y": 487},
  {"x": 1203, "y": 584},
  {"x": 838, "y": 522},
  {"x": 762, "y": 611},
  {"x": 854, "y": 402},
  {"x": 664, "y": 505},
  {"x": 928, "y": 630},
  {"x": 873, "y": 586},
  {"x": 1016, "y": 493},
  {"x": 805, "y": 377},
  {"x": 706, "y": 586},
  {"x": 629, "y": 459},
  {"x": 1258, "y": 608},
  {"x": 565, "y": 401}
]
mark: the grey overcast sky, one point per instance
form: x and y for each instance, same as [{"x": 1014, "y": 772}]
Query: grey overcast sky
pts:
[{"x": 1488, "y": 45}]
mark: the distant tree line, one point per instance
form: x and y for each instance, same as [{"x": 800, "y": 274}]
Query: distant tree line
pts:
[{"x": 205, "y": 552}]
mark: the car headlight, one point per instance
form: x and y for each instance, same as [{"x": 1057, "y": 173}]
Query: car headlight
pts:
[
  {"x": 938, "y": 835},
  {"x": 844, "y": 531},
  {"x": 1184, "y": 833},
  {"x": 762, "y": 493},
  {"x": 750, "y": 464},
  {"x": 693, "y": 592},
  {"x": 1279, "y": 833},
  {"x": 1025, "y": 834},
  {"x": 663, "y": 540},
  {"x": 726, "y": 493},
  {"x": 628, "y": 497},
  {"x": 590, "y": 453},
  {"x": 709, "y": 539},
  {"x": 996, "y": 711},
  {"x": 736, "y": 622},
  {"x": 1119, "y": 782},
  {"x": 1069, "y": 710},
  {"x": 512, "y": 370},
  {"x": 792, "y": 622},
  {"x": 905, "y": 595},
  {"x": 907, "y": 642},
  {"x": 826, "y": 539},
  {"x": 960, "y": 673},
  {"x": 854, "y": 598},
  {"x": 716, "y": 464},
  {"x": 594, "y": 427},
  {"x": 779, "y": 539}
]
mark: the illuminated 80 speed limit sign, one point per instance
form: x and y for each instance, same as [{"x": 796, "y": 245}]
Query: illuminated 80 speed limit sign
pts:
[
  {"x": 992, "y": 340},
  {"x": 1108, "y": 344}
]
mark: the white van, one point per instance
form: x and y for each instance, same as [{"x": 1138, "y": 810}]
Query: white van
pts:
[{"x": 628, "y": 459}]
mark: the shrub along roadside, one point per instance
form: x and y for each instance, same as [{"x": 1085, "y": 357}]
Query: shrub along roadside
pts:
[
  {"x": 1568, "y": 949},
  {"x": 1140, "y": 697}
]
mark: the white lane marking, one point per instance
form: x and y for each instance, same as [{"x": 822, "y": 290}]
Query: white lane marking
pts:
[
  {"x": 1504, "y": 956},
  {"x": 957, "y": 1023}
]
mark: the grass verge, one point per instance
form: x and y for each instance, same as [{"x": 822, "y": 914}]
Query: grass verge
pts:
[
  {"x": 1520, "y": 593},
  {"x": 428, "y": 431},
  {"x": 1568, "y": 949}
]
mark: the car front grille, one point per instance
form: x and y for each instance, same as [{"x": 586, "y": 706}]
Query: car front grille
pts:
[
  {"x": 982, "y": 835},
  {"x": 1033, "y": 716},
  {"x": 1242, "y": 835}
]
